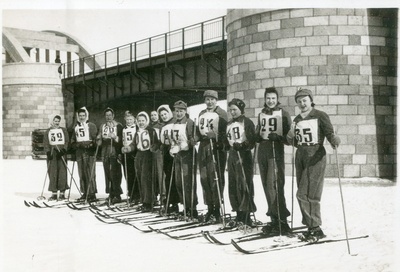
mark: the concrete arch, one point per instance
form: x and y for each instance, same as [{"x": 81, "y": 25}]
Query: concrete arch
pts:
[{"x": 14, "y": 47}]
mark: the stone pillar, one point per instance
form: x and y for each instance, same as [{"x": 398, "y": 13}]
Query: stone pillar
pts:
[
  {"x": 32, "y": 95},
  {"x": 346, "y": 57}
]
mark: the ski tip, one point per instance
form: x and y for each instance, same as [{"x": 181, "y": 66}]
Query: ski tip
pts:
[{"x": 26, "y": 203}]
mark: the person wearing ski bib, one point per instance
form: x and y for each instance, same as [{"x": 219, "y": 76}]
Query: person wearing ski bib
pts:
[
  {"x": 307, "y": 133},
  {"x": 158, "y": 159},
  {"x": 110, "y": 139},
  {"x": 166, "y": 131},
  {"x": 144, "y": 144},
  {"x": 212, "y": 125},
  {"x": 273, "y": 125},
  {"x": 55, "y": 142},
  {"x": 84, "y": 142},
  {"x": 241, "y": 137},
  {"x": 128, "y": 134},
  {"x": 182, "y": 144}
]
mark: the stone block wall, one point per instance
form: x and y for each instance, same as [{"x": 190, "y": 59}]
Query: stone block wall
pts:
[
  {"x": 32, "y": 95},
  {"x": 346, "y": 57}
]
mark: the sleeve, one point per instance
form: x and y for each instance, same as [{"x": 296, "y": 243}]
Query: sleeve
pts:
[
  {"x": 223, "y": 123},
  {"x": 46, "y": 143},
  {"x": 326, "y": 126},
  {"x": 66, "y": 135},
  {"x": 286, "y": 124},
  {"x": 191, "y": 133},
  {"x": 250, "y": 132},
  {"x": 92, "y": 132},
  {"x": 257, "y": 130}
]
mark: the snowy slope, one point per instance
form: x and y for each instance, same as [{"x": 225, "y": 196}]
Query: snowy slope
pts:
[{"x": 66, "y": 240}]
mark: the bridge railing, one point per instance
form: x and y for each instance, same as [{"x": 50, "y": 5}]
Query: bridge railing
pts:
[{"x": 173, "y": 41}]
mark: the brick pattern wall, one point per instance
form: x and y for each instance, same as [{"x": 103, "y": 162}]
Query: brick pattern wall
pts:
[
  {"x": 346, "y": 57},
  {"x": 26, "y": 108}
]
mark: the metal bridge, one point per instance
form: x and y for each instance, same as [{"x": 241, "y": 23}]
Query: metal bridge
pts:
[{"x": 161, "y": 69}]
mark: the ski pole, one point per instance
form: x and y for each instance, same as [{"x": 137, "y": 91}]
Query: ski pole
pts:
[
  {"x": 216, "y": 179},
  {"x": 293, "y": 164},
  {"x": 70, "y": 181},
  {"x": 220, "y": 176},
  {"x": 170, "y": 185},
  {"x": 69, "y": 171},
  {"x": 110, "y": 177},
  {"x": 126, "y": 179},
  {"x": 183, "y": 189},
  {"x": 341, "y": 196},
  {"x": 193, "y": 171},
  {"x": 91, "y": 174},
  {"x": 276, "y": 187},
  {"x": 42, "y": 197},
  {"x": 162, "y": 182},
  {"x": 245, "y": 185}
]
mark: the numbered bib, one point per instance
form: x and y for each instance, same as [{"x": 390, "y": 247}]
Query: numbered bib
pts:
[
  {"x": 208, "y": 121},
  {"x": 82, "y": 133},
  {"x": 143, "y": 140},
  {"x": 166, "y": 134},
  {"x": 271, "y": 124},
  {"x": 179, "y": 136},
  {"x": 307, "y": 131},
  {"x": 106, "y": 131},
  {"x": 56, "y": 136},
  {"x": 235, "y": 133},
  {"x": 127, "y": 135}
]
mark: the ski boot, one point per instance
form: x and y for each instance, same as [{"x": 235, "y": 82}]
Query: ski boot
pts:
[
  {"x": 62, "y": 196},
  {"x": 53, "y": 197},
  {"x": 312, "y": 235}
]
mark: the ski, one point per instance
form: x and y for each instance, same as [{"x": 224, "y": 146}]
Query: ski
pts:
[{"x": 291, "y": 244}]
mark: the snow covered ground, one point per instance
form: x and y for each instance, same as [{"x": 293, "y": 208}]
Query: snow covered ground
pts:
[{"x": 67, "y": 240}]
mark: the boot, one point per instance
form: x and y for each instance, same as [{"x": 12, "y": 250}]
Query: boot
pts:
[
  {"x": 271, "y": 227},
  {"x": 53, "y": 196},
  {"x": 62, "y": 196},
  {"x": 209, "y": 213},
  {"x": 217, "y": 213}
]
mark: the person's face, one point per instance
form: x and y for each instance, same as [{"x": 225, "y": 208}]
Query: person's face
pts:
[
  {"x": 141, "y": 120},
  {"x": 180, "y": 113},
  {"x": 130, "y": 120},
  {"x": 109, "y": 116},
  {"x": 164, "y": 115},
  {"x": 56, "y": 122},
  {"x": 154, "y": 116},
  {"x": 82, "y": 116},
  {"x": 234, "y": 111},
  {"x": 271, "y": 100},
  {"x": 304, "y": 103},
  {"x": 210, "y": 102}
]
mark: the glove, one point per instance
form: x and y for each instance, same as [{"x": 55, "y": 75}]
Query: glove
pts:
[
  {"x": 153, "y": 148},
  {"x": 192, "y": 143},
  {"x": 119, "y": 159},
  {"x": 61, "y": 153},
  {"x": 274, "y": 137},
  {"x": 237, "y": 146},
  {"x": 290, "y": 136},
  {"x": 126, "y": 149},
  {"x": 49, "y": 156},
  {"x": 219, "y": 146},
  {"x": 112, "y": 135},
  {"x": 89, "y": 146},
  {"x": 335, "y": 141},
  {"x": 211, "y": 134}
]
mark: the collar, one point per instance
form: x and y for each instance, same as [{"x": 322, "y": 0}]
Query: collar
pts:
[{"x": 268, "y": 110}]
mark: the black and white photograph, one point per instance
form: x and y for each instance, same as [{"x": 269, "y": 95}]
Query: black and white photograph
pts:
[{"x": 199, "y": 136}]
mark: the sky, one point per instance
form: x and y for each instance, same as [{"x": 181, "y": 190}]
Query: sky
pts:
[{"x": 105, "y": 24}]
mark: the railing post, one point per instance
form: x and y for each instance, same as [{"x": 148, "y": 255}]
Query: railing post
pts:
[
  {"x": 202, "y": 40},
  {"x": 135, "y": 57},
  {"x": 183, "y": 43},
  {"x": 118, "y": 60},
  {"x": 166, "y": 49},
  {"x": 105, "y": 64},
  {"x": 150, "y": 51},
  {"x": 94, "y": 65}
]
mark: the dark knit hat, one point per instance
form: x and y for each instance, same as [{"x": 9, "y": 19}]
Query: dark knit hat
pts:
[
  {"x": 211, "y": 93},
  {"x": 180, "y": 105},
  {"x": 303, "y": 92},
  {"x": 238, "y": 103}
]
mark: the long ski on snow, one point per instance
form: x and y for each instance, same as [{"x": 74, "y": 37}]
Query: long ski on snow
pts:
[{"x": 291, "y": 244}]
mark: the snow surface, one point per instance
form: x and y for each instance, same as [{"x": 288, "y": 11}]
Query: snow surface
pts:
[{"x": 67, "y": 240}]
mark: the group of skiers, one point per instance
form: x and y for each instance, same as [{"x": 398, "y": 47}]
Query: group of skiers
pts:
[{"x": 158, "y": 158}]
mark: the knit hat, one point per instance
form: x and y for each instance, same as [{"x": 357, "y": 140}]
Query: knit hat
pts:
[
  {"x": 211, "y": 93},
  {"x": 145, "y": 115},
  {"x": 180, "y": 105},
  {"x": 238, "y": 103},
  {"x": 303, "y": 92}
]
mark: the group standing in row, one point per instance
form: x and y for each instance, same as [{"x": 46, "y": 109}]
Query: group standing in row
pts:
[{"x": 159, "y": 158}]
